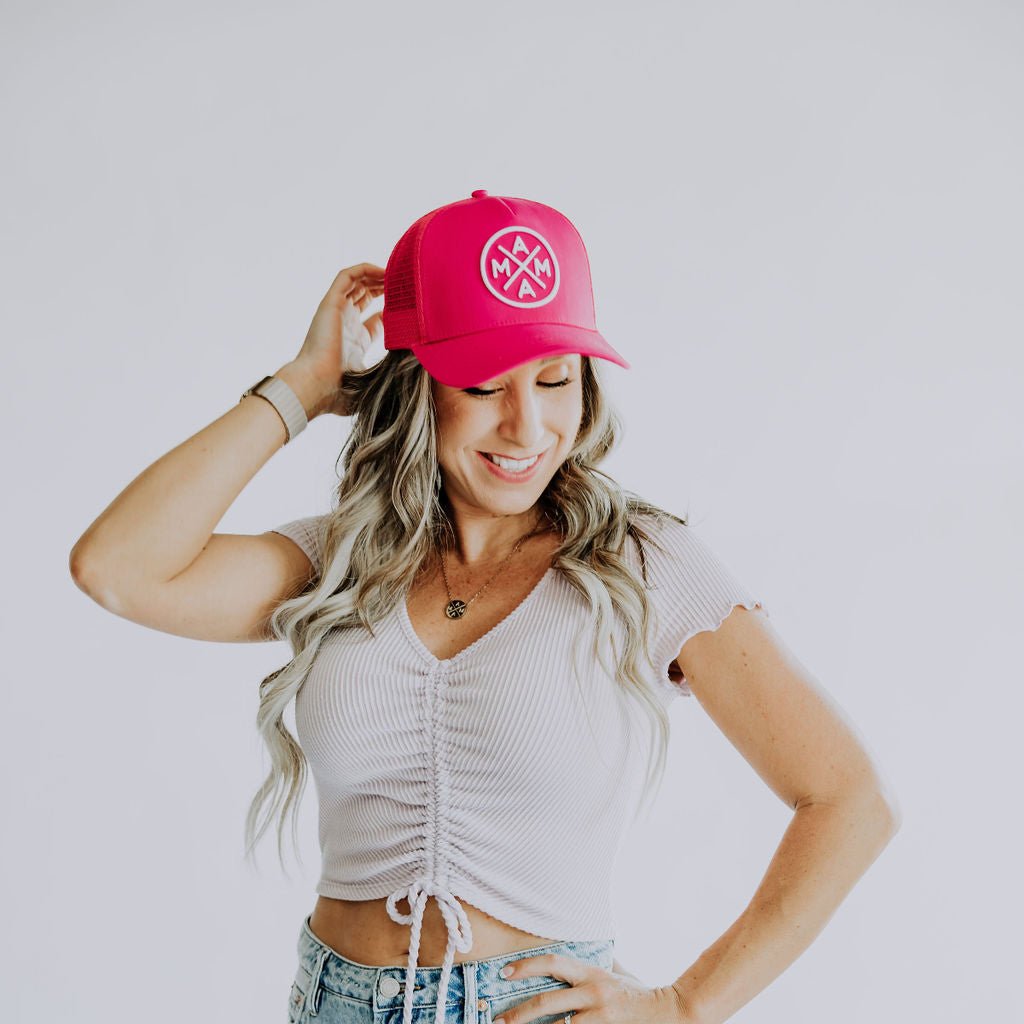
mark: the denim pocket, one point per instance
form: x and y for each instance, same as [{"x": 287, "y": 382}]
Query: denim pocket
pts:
[{"x": 497, "y": 1005}]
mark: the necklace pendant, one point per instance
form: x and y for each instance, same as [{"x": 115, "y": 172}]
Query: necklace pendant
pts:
[{"x": 455, "y": 609}]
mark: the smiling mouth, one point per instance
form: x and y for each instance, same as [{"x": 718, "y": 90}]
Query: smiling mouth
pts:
[
  {"x": 521, "y": 464},
  {"x": 522, "y": 468},
  {"x": 514, "y": 458}
]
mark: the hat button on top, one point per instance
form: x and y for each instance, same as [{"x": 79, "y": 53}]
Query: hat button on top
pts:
[{"x": 479, "y": 193}]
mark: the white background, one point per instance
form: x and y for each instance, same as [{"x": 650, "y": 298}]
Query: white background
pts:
[{"x": 804, "y": 223}]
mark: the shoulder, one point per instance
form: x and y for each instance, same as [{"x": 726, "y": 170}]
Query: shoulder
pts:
[
  {"x": 686, "y": 576},
  {"x": 654, "y": 536},
  {"x": 309, "y": 533}
]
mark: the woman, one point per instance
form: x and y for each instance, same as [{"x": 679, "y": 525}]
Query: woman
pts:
[{"x": 481, "y": 631}]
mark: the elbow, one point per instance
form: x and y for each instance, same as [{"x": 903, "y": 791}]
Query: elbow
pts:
[
  {"x": 874, "y": 799},
  {"x": 888, "y": 806},
  {"x": 82, "y": 566},
  {"x": 90, "y": 580},
  {"x": 893, "y": 814},
  {"x": 78, "y": 568},
  {"x": 76, "y": 565},
  {"x": 82, "y": 559},
  {"x": 880, "y": 822},
  {"x": 882, "y": 807},
  {"x": 875, "y": 805}
]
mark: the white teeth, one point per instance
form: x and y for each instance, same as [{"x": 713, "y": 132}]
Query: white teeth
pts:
[{"x": 512, "y": 465}]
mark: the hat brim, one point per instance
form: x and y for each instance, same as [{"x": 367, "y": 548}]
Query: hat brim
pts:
[{"x": 471, "y": 359}]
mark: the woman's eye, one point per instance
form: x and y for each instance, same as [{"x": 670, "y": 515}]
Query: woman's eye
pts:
[{"x": 544, "y": 384}]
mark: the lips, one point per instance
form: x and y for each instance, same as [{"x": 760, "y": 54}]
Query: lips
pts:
[
  {"x": 530, "y": 464},
  {"x": 515, "y": 458},
  {"x": 512, "y": 476}
]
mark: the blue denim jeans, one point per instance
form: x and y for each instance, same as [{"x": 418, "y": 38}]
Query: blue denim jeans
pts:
[{"x": 330, "y": 989}]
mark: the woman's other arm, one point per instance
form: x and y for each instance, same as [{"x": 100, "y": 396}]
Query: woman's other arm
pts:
[{"x": 799, "y": 741}]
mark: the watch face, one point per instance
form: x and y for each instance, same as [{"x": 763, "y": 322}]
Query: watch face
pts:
[{"x": 252, "y": 390}]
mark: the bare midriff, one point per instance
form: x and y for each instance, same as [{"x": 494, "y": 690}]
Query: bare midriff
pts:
[{"x": 363, "y": 931}]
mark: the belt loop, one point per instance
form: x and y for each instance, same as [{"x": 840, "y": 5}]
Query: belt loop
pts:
[
  {"x": 470, "y": 1013},
  {"x": 312, "y": 1000}
]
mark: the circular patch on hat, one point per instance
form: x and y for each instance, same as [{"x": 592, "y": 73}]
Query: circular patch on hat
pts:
[{"x": 519, "y": 267}]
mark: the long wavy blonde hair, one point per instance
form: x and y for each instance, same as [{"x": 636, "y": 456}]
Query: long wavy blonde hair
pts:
[{"x": 391, "y": 517}]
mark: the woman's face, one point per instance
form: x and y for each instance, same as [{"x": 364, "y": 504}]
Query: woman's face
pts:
[{"x": 533, "y": 410}]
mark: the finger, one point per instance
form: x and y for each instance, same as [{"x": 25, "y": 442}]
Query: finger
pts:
[
  {"x": 364, "y": 270},
  {"x": 554, "y": 1001},
  {"x": 350, "y": 278},
  {"x": 365, "y": 299},
  {"x": 367, "y": 273},
  {"x": 375, "y": 327},
  {"x": 353, "y": 288},
  {"x": 350, "y": 318},
  {"x": 361, "y": 294},
  {"x": 554, "y": 965}
]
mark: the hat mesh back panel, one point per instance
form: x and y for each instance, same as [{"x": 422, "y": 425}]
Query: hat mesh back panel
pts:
[{"x": 401, "y": 313}]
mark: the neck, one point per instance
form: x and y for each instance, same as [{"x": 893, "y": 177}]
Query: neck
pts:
[{"x": 482, "y": 540}]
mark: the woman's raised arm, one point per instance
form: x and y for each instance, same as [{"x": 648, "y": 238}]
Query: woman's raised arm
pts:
[{"x": 151, "y": 555}]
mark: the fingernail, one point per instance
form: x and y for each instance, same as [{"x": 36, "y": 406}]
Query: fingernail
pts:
[
  {"x": 500, "y": 1020},
  {"x": 505, "y": 972}
]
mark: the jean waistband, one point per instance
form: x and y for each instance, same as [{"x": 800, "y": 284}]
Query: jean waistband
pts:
[{"x": 384, "y": 987}]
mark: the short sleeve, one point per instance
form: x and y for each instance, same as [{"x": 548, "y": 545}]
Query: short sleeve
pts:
[
  {"x": 308, "y": 534},
  {"x": 692, "y": 590}
]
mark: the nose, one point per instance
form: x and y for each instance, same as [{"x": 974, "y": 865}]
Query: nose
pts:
[{"x": 523, "y": 423}]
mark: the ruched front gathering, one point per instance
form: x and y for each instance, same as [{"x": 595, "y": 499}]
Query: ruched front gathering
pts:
[{"x": 498, "y": 777}]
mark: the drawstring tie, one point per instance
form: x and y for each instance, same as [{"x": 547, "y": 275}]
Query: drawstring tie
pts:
[{"x": 460, "y": 934}]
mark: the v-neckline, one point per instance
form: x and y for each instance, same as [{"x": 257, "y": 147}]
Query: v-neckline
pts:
[{"x": 437, "y": 662}]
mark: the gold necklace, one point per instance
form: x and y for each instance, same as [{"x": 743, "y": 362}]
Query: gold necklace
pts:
[{"x": 456, "y": 608}]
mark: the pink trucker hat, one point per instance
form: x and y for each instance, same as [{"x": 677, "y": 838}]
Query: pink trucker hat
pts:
[{"x": 482, "y": 285}]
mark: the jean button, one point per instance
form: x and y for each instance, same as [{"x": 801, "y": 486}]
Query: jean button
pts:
[
  {"x": 389, "y": 987},
  {"x": 481, "y": 1004}
]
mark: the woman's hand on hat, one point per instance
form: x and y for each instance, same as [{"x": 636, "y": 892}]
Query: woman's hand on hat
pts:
[
  {"x": 338, "y": 338},
  {"x": 599, "y": 995}
]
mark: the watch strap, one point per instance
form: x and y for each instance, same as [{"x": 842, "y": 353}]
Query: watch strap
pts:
[{"x": 284, "y": 400}]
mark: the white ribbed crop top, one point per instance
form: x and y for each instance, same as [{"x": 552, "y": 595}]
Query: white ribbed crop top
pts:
[{"x": 477, "y": 777}]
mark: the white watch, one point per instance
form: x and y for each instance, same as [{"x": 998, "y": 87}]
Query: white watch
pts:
[{"x": 284, "y": 400}]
